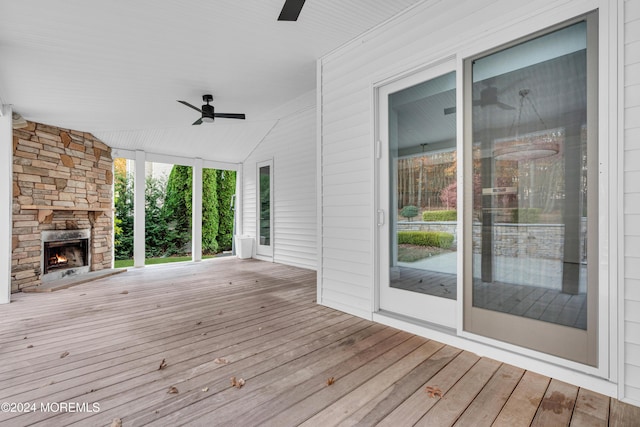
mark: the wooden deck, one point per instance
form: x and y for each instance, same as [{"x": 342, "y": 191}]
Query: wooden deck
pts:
[{"x": 97, "y": 349}]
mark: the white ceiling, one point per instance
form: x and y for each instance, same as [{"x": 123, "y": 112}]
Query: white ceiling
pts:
[{"x": 116, "y": 68}]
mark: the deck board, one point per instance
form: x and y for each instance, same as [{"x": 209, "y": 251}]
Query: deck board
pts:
[{"x": 103, "y": 342}]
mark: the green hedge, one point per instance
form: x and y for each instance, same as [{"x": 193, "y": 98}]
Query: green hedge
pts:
[
  {"x": 526, "y": 215},
  {"x": 439, "y": 239},
  {"x": 440, "y": 215}
]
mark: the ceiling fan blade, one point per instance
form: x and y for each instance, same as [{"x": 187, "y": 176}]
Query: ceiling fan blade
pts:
[
  {"x": 229, "y": 116},
  {"x": 189, "y": 105},
  {"x": 450, "y": 110},
  {"x": 291, "y": 10},
  {"x": 197, "y": 122}
]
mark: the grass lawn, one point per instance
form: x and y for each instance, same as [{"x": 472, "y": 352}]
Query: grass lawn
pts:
[
  {"x": 121, "y": 263},
  {"x": 411, "y": 253}
]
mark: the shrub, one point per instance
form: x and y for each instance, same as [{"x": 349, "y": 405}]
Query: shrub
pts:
[
  {"x": 525, "y": 215},
  {"x": 409, "y": 212},
  {"x": 451, "y": 215},
  {"x": 439, "y": 239}
]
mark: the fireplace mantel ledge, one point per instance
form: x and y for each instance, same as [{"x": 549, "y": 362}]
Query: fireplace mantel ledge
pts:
[{"x": 46, "y": 210}]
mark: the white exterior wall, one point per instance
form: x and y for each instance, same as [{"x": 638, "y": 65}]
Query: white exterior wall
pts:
[
  {"x": 434, "y": 31},
  {"x": 291, "y": 145},
  {"x": 632, "y": 201}
]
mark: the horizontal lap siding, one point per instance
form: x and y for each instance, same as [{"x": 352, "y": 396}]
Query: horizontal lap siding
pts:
[
  {"x": 292, "y": 146},
  {"x": 632, "y": 200}
]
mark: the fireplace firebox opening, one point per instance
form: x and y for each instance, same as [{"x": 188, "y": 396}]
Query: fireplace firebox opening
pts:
[{"x": 64, "y": 254}]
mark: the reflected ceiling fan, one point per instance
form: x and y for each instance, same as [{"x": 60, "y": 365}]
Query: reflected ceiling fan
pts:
[
  {"x": 208, "y": 112},
  {"x": 291, "y": 10},
  {"x": 488, "y": 96}
]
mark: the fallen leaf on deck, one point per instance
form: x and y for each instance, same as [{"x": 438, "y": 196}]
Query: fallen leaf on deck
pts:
[
  {"x": 433, "y": 391},
  {"x": 117, "y": 422},
  {"x": 124, "y": 292},
  {"x": 220, "y": 361},
  {"x": 63, "y": 355},
  {"x": 331, "y": 381},
  {"x": 205, "y": 389},
  {"x": 30, "y": 346},
  {"x": 237, "y": 383},
  {"x": 24, "y": 338},
  {"x": 199, "y": 323},
  {"x": 172, "y": 390},
  {"x": 163, "y": 365}
]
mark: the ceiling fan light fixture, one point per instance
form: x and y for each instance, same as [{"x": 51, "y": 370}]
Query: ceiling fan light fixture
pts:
[{"x": 207, "y": 119}]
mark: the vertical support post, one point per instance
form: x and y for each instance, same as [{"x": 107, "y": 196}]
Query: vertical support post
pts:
[
  {"x": 139, "y": 210},
  {"x": 239, "y": 212},
  {"x": 571, "y": 215},
  {"x": 196, "y": 211},
  {"x": 6, "y": 194},
  {"x": 487, "y": 206}
]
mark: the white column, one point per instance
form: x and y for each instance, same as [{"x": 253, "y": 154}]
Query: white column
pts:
[
  {"x": 239, "y": 200},
  {"x": 196, "y": 211},
  {"x": 6, "y": 190},
  {"x": 237, "y": 212},
  {"x": 138, "y": 210}
]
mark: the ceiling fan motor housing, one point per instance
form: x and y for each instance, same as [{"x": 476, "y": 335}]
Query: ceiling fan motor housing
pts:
[{"x": 207, "y": 113}]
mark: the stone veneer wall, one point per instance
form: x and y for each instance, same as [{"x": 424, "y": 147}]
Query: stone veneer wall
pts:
[{"x": 61, "y": 169}]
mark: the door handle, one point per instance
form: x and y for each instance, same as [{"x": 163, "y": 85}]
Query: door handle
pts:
[{"x": 380, "y": 217}]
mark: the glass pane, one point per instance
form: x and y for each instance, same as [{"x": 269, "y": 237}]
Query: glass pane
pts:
[
  {"x": 529, "y": 179},
  {"x": 422, "y": 155},
  {"x": 265, "y": 206}
]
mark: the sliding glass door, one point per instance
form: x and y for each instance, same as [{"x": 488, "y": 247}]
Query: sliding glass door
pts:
[
  {"x": 417, "y": 216},
  {"x": 531, "y": 193}
]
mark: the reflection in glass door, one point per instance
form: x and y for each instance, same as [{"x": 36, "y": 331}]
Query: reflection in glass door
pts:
[
  {"x": 418, "y": 194},
  {"x": 533, "y": 237}
]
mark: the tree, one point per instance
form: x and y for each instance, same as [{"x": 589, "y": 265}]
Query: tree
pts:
[
  {"x": 123, "y": 218},
  {"x": 226, "y": 190},
  {"x": 156, "y": 228},
  {"x": 409, "y": 212},
  {"x": 210, "y": 208},
  {"x": 176, "y": 211}
]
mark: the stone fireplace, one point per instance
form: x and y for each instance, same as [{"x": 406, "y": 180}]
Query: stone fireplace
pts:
[{"x": 62, "y": 205}]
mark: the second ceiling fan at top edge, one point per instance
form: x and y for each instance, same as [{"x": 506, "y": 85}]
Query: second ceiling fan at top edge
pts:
[
  {"x": 208, "y": 111},
  {"x": 291, "y": 10}
]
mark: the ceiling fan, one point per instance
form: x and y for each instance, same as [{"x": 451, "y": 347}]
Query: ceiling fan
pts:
[
  {"x": 291, "y": 10},
  {"x": 488, "y": 96},
  {"x": 208, "y": 113}
]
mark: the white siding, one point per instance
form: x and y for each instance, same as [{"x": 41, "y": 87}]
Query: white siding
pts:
[
  {"x": 632, "y": 201},
  {"x": 292, "y": 146}
]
